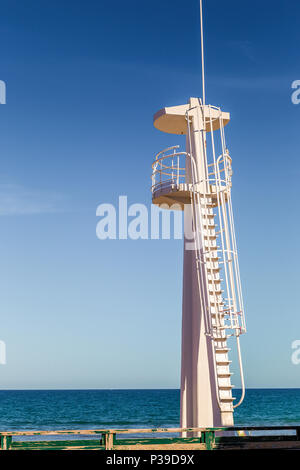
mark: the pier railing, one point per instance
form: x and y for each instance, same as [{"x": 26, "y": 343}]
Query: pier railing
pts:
[{"x": 238, "y": 437}]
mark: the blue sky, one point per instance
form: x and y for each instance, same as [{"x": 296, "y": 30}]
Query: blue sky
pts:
[{"x": 83, "y": 82}]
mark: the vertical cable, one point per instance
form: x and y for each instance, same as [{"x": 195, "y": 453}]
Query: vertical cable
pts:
[{"x": 202, "y": 54}]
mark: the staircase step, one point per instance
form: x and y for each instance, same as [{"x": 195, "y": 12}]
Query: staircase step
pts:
[
  {"x": 218, "y": 315},
  {"x": 214, "y": 269},
  {"x": 224, "y": 327},
  {"x": 207, "y": 214},
  {"x": 215, "y": 291},
  {"x": 223, "y": 362},
  {"x": 211, "y": 247},
  {"x": 211, "y": 257},
  {"x": 222, "y": 350}
]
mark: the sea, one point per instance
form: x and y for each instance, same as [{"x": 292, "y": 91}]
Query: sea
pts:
[{"x": 24, "y": 410}]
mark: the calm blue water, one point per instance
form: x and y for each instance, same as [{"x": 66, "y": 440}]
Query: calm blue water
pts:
[{"x": 88, "y": 409}]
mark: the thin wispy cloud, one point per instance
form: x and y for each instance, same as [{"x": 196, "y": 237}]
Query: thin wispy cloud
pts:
[
  {"x": 18, "y": 200},
  {"x": 245, "y": 48},
  {"x": 266, "y": 84}
]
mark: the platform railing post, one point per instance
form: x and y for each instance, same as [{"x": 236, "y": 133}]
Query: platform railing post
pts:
[
  {"x": 108, "y": 439},
  {"x": 208, "y": 438},
  {"x": 5, "y": 442}
]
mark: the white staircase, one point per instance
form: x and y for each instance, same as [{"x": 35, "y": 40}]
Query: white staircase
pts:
[{"x": 209, "y": 256}]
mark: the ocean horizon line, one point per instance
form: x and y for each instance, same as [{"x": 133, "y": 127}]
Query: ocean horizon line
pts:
[{"x": 127, "y": 389}]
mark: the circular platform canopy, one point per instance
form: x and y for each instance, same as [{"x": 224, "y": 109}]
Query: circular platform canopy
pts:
[{"x": 172, "y": 120}]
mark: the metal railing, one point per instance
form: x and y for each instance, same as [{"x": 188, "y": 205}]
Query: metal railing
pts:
[
  {"x": 236, "y": 437},
  {"x": 168, "y": 173},
  {"x": 168, "y": 169}
]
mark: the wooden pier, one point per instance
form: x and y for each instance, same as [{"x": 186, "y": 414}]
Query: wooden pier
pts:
[{"x": 233, "y": 438}]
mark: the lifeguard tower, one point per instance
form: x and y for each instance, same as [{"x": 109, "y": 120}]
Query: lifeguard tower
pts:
[{"x": 198, "y": 181}]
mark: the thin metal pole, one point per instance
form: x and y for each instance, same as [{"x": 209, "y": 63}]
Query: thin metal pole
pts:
[{"x": 202, "y": 53}]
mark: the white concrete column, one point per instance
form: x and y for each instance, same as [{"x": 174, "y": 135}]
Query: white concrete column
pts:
[{"x": 199, "y": 406}]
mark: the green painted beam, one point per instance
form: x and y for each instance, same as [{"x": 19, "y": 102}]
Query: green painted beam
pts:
[{"x": 109, "y": 439}]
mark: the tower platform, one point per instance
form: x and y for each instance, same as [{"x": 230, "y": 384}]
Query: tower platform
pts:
[{"x": 173, "y": 120}]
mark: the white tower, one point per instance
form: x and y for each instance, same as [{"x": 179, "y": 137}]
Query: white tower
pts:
[{"x": 199, "y": 181}]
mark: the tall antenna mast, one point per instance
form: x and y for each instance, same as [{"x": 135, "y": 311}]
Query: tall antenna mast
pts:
[{"x": 202, "y": 52}]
